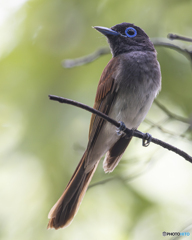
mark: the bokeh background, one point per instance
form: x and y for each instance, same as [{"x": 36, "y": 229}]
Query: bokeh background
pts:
[{"x": 41, "y": 141}]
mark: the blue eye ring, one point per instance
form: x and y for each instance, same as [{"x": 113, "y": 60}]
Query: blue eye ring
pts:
[{"x": 134, "y": 31}]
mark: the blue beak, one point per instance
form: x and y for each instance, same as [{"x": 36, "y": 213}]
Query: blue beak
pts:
[{"x": 106, "y": 31}]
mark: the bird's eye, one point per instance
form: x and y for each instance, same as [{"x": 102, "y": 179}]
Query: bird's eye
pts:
[{"x": 131, "y": 32}]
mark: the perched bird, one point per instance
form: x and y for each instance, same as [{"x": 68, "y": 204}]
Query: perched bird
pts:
[{"x": 127, "y": 87}]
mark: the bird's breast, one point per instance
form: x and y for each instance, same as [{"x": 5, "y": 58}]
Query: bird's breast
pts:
[{"x": 138, "y": 82}]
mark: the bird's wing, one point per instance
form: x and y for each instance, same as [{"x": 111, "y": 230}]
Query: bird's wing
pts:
[{"x": 104, "y": 97}]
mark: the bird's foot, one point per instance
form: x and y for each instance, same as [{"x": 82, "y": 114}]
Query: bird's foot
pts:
[
  {"x": 121, "y": 128},
  {"x": 147, "y": 139}
]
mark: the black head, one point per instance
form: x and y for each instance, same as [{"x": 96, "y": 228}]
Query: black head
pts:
[{"x": 126, "y": 37}]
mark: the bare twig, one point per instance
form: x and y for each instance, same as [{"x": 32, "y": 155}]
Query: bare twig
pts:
[
  {"x": 114, "y": 178},
  {"x": 170, "y": 114},
  {"x": 70, "y": 63},
  {"x": 172, "y": 36},
  {"x": 156, "y": 125},
  {"x": 158, "y": 42},
  {"x": 163, "y": 43},
  {"x": 129, "y": 132},
  {"x": 117, "y": 177},
  {"x": 187, "y": 131},
  {"x": 102, "y": 182}
]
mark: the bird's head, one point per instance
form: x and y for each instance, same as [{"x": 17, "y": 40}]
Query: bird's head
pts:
[{"x": 126, "y": 37}]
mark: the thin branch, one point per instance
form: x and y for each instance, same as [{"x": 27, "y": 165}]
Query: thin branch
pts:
[
  {"x": 85, "y": 107},
  {"x": 128, "y": 178},
  {"x": 172, "y": 36},
  {"x": 187, "y": 131},
  {"x": 170, "y": 114},
  {"x": 129, "y": 132},
  {"x": 70, "y": 63},
  {"x": 117, "y": 177},
  {"x": 102, "y": 182},
  {"x": 158, "y": 42},
  {"x": 113, "y": 178},
  {"x": 163, "y": 43},
  {"x": 156, "y": 125}
]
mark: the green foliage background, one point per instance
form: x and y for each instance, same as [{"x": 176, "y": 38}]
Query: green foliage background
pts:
[{"x": 41, "y": 141}]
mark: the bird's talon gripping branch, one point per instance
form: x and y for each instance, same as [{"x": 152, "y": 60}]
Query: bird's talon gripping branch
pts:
[
  {"x": 147, "y": 139},
  {"x": 121, "y": 128}
]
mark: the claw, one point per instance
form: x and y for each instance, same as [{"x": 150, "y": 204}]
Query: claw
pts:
[
  {"x": 147, "y": 139},
  {"x": 121, "y": 128}
]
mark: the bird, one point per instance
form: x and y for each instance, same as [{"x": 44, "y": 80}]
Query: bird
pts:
[{"x": 126, "y": 90}]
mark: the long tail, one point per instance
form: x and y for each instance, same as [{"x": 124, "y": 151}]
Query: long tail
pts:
[{"x": 64, "y": 210}]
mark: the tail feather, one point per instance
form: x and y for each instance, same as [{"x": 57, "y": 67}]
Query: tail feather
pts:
[
  {"x": 113, "y": 156},
  {"x": 63, "y": 212}
]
